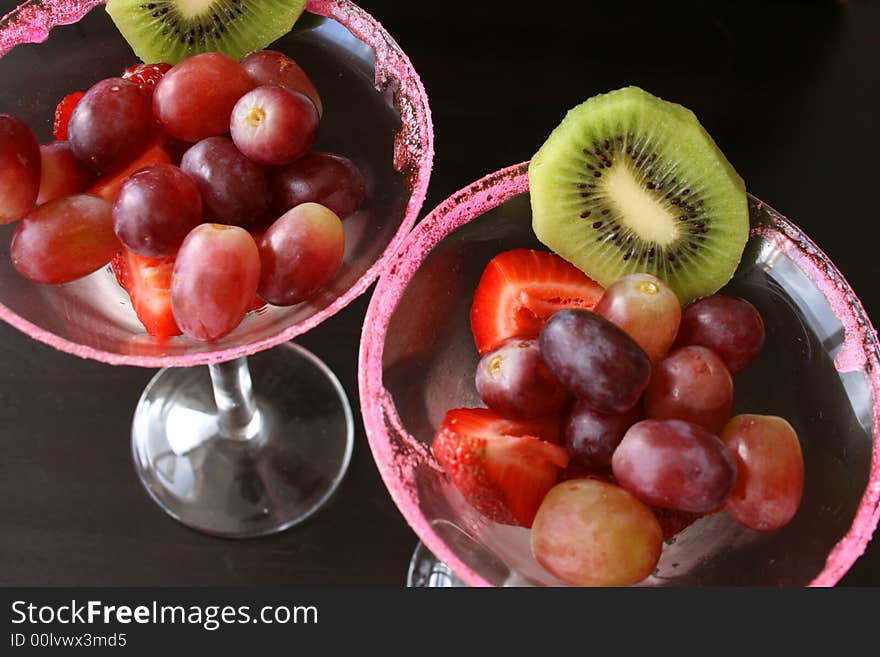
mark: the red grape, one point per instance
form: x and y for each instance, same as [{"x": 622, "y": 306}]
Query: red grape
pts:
[
  {"x": 194, "y": 100},
  {"x": 61, "y": 173},
  {"x": 274, "y": 125},
  {"x": 19, "y": 169},
  {"x": 324, "y": 178},
  {"x": 595, "y": 360},
  {"x": 592, "y": 533},
  {"x": 771, "y": 471},
  {"x": 646, "y": 308},
  {"x": 674, "y": 465},
  {"x": 513, "y": 381},
  {"x": 111, "y": 125},
  {"x": 215, "y": 278},
  {"x": 729, "y": 326},
  {"x": 591, "y": 437},
  {"x": 691, "y": 384},
  {"x": 300, "y": 253},
  {"x": 269, "y": 67},
  {"x": 156, "y": 208},
  {"x": 65, "y": 239},
  {"x": 234, "y": 189}
]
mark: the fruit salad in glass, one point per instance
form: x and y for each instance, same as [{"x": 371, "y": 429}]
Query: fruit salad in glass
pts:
[
  {"x": 241, "y": 183},
  {"x": 631, "y": 373}
]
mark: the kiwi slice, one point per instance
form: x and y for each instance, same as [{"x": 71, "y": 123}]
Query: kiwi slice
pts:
[
  {"x": 172, "y": 30},
  {"x": 632, "y": 183}
]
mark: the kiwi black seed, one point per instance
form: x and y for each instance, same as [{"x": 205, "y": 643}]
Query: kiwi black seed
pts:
[
  {"x": 172, "y": 30},
  {"x": 632, "y": 183}
]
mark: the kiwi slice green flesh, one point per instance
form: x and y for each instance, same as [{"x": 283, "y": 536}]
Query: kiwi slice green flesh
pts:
[
  {"x": 632, "y": 183},
  {"x": 172, "y": 30}
]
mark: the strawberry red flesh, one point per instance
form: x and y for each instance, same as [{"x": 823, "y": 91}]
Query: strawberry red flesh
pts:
[
  {"x": 107, "y": 186},
  {"x": 520, "y": 290},
  {"x": 482, "y": 423},
  {"x": 146, "y": 76},
  {"x": 63, "y": 112},
  {"x": 505, "y": 476},
  {"x": 258, "y": 303},
  {"x": 148, "y": 283}
]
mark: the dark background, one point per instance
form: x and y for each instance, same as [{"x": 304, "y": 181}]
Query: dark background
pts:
[{"x": 789, "y": 90}]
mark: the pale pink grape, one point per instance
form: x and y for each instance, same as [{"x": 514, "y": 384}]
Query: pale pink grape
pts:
[
  {"x": 592, "y": 533},
  {"x": 646, "y": 308}
]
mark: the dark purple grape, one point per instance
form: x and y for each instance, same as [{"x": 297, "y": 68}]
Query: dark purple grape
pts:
[
  {"x": 62, "y": 174},
  {"x": 325, "y": 178},
  {"x": 111, "y": 125},
  {"x": 729, "y": 326},
  {"x": 19, "y": 169},
  {"x": 274, "y": 125},
  {"x": 513, "y": 381},
  {"x": 273, "y": 67},
  {"x": 234, "y": 189},
  {"x": 591, "y": 437},
  {"x": 155, "y": 209},
  {"x": 595, "y": 360},
  {"x": 675, "y": 465}
]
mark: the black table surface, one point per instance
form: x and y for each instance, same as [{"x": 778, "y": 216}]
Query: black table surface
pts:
[{"x": 789, "y": 90}]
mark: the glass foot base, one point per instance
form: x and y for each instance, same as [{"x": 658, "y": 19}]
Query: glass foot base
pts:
[
  {"x": 426, "y": 571},
  {"x": 291, "y": 460}
]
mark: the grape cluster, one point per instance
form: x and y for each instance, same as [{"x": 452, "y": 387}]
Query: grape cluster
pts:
[
  {"x": 644, "y": 389},
  {"x": 207, "y": 164}
]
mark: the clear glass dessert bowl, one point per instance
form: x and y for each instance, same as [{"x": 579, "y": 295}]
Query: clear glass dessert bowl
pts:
[
  {"x": 241, "y": 447},
  {"x": 818, "y": 369}
]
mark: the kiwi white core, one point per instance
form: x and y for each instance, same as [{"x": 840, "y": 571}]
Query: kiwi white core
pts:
[
  {"x": 638, "y": 209},
  {"x": 193, "y": 8}
]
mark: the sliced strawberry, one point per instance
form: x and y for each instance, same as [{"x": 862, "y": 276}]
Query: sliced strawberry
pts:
[
  {"x": 482, "y": 423},
  {"x": 520, "y": 290},
  {"x": 107, "y": 186},
  {"x": 505, "y": 477},
  {"x": 148, "y": 283},
  {"x": 63, "y": 112},
  {"x": 146, "y": 76}
]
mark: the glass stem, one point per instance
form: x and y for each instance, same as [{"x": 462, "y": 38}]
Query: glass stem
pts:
[{"x": 238, "y": 417}]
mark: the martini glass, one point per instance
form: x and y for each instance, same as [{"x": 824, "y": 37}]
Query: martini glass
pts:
[
  {"x": 819, "y": 369},
  {"x": 242, "y": 447}
]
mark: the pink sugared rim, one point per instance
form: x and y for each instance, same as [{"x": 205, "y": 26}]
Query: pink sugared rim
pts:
[
  {"x": 381, "y": 418},
  {"x": 32, "y": 21}
]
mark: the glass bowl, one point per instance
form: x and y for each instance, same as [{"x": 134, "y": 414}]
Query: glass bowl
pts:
[
  {"x": 219, "y": 449},
  {"x": 818, "y": 369}
]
